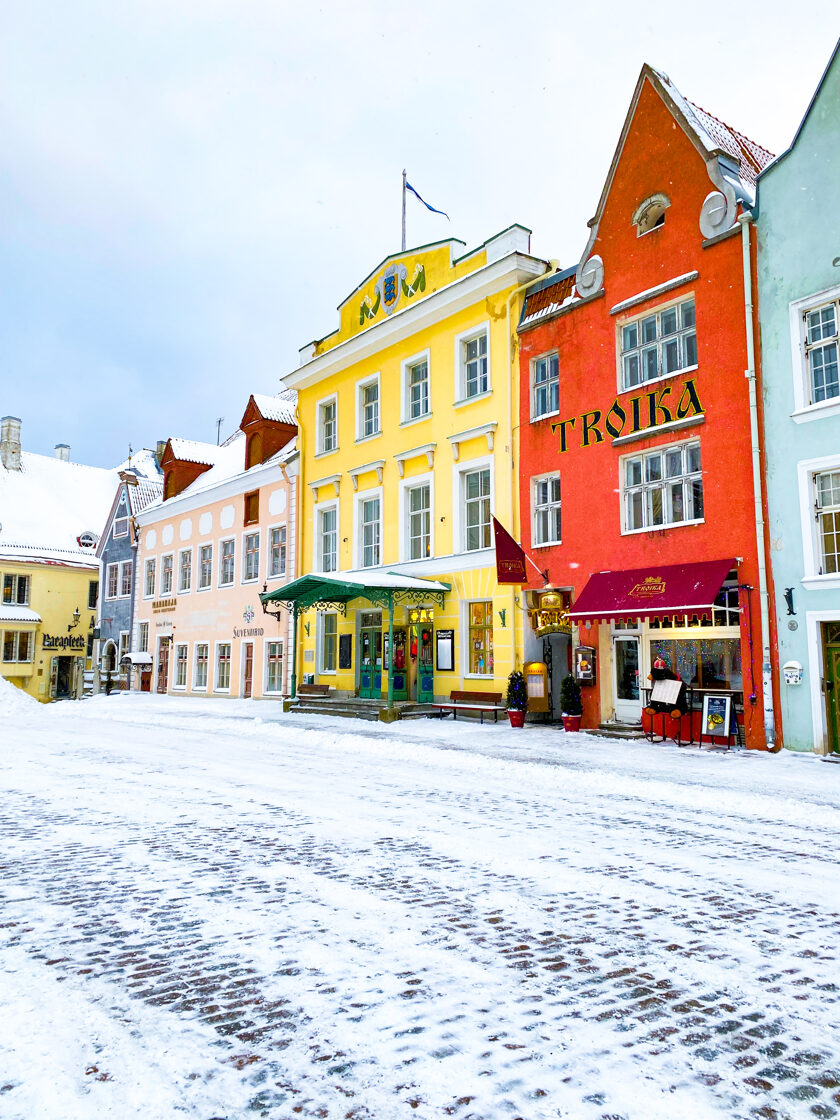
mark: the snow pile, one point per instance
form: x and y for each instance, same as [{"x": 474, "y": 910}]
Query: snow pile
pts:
[{"x": 14, "y": 701}]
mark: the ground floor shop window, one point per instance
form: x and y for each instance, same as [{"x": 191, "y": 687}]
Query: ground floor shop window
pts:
[
  {"x": 17, "y": 645},
  {"x": 274, "y": 667},
  {"x": 223, "y": 667},
  {"x": 481, "y": 638},
  {"x": 200, "y": 665},
  {"x": 329, "y": 642},
  {"x": 701, "y": 662}
]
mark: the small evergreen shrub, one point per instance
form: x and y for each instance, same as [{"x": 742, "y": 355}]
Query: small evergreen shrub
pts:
[
  {"x": 516, "y": 699},
  {"x": 570, "y": 697}
]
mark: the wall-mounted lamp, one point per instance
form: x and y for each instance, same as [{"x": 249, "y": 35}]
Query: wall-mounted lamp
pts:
[{"x": 76, "y": 616}]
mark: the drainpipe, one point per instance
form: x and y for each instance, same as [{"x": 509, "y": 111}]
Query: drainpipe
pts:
[
  {"x": 298, "y": 491},
  {"x": 745, "y": 219}
]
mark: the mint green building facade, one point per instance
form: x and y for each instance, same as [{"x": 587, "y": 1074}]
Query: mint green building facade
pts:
[{"x": 799, "y": 311}]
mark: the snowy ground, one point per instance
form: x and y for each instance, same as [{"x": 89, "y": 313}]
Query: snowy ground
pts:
[{"x": 212, "y": 910}]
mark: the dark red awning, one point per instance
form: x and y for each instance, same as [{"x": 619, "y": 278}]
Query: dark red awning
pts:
[{"x": 655, "y": 592}]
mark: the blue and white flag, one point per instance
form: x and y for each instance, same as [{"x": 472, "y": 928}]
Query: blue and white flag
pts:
[{"x": 434, "y": 209}]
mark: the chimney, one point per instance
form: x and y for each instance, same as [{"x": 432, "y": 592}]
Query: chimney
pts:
[
  {"x": 10, "y": 442},
  {"x": 62, "y": 451},
  {"x": 161, "y": 447}
]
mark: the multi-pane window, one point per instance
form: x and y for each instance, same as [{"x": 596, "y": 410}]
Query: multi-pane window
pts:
[
  {"x": 417, "y": 389},
  {"x": 277, "y": 551},
  {"x": 370, "y": 530},
  {"x": 200, "y": 677},
  {"x": 93, "y": 594},
  {"x": 113, "y": 581},
  {"x": 180, "y": 666},
  {"x": 369, "y": 409},
  {"x": 828, "y": 520},
  {"x": 419, "y": 502},
  {"x": 16, "y": 590},
  {"x": 330, "y": 643},
  {"x": 274, "y": 667},
  {"x": 166, "y": 574},
  {"x": 143, "y": 637},
  {"x": 475, "y": 375},
  {"x": 547, "y": 510},
  {"x": 226, "y": 563},
  {"x": 821, "y": 346},
  {"x": 126, "y": 576},
  {"x": 327, "y": 426},
  {"x": 120, "y": 526},
  {"x": 222, "y": 666},
  {"x": 546, "y": 385},
  {"x": 123, "y": 650},
  {"x": 477, "y": 509},
  {"x": 480, "y": 643},
  {"x": 251, "y": 556},
  {"x": 185, "y": 569},
  {"x": 328, "y": 539},
  {"x": 658, "y": 345},
  {"x": 205, "y": 566},
  {"x": 149, "y": 581},
  {"x": 17, "y": 645},
  {"x": 663, "y": 487}
]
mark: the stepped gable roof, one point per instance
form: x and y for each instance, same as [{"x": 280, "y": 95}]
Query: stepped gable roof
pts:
[
  {"x": 191, "y": 451},
  {"x": 281, "y": 407},
  {"x": 48, "y": 503}
]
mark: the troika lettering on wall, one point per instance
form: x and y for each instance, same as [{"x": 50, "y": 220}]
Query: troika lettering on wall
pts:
[{"x": 643, "y": 413}]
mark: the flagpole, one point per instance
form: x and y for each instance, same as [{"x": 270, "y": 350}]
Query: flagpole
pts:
[{"x": 403, "y": 210}]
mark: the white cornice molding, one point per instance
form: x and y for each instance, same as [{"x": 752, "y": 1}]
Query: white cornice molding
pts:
[
  {"x": 512, "y": 270},
  {"x": 427, "y": 449},
  {"x": 488, "y": 430},
  {"x": 377, "y": 465},
  {"x": 651, "y": 293}
]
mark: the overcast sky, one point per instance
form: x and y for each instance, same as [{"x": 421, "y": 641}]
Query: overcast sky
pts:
[{"x": 188, "y": 189}]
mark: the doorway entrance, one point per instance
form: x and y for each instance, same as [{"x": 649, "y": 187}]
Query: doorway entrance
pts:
[
  {"x": 64, "y": 678},
  {"x": 370, "y": 655},
  {"x": 163, "y": 664},
  {"x": 247, "y": 669},
  {"x": 831, "y": 682},
  {"x": 627, "y": 696}
]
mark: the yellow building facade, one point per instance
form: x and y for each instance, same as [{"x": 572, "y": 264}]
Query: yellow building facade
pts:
[{"x": 408, "y": 447}]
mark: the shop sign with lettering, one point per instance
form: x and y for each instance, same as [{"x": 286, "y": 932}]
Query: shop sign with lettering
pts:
[
  {"x": 63, "y": 641},
  {"x": 551, "y": 614},
  {"x": 164, "y": 605},
  {"x": 635, "y": 416}
]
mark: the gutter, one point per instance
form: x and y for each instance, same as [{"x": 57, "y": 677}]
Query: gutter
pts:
[{"x": 745, "y": 219}]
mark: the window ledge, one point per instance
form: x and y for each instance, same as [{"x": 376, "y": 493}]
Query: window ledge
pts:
[
  {"x": 470, "y": 400},
  {"x": 816, "y": 411},
  {"x": 662, "y": 528},
  {"x": 324, "y": 454},
  {"x": 415, "y": 420},
  {"x": 278, "y": 576},
  {"x": 656, "y": 380},
  {"x": 660, "y": 429},
  {"x": 198, "y": 590},
  {"x": 479, "y": 676},
  {"x": 199, "y": 688},
  {"x": 545, "y": 416},
  {"x": 367, "y": 439},
  {"x": 256, "y": 579},
  {"x": 185, "y": 591},
  {"x": 821, "y": 583},
  {"x": 546, "y": 544}
]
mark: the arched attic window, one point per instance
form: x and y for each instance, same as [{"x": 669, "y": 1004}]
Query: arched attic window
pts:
[{"x": 650, "y": 214}]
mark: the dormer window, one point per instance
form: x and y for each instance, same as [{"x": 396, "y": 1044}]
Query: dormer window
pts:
[{"x": 651, "y": 213}]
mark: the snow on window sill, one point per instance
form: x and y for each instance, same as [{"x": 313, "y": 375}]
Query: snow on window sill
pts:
[
  {"x": 469, "y": 400},
  {"x": 660, "y": 528},
  {"x": 545, "y": 416},
  {"x": 656, "y": 380}
]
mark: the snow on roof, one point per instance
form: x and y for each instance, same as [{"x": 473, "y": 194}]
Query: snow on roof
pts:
[
  {"x": 281, "y": 407},
  {"x": 10, "y": 613},
  {"x": 146, "y": 491},
  {"x": 547, "y": 300},
  {"x": 191, "y": 451},
  {"x": 48, "y": 503}
]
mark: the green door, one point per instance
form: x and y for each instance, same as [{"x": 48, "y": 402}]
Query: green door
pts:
[
  {"x": 370, "y": 663},
  {"x": 399, "y": 668},
  {"x": 831, "y": 683},
  {"x": 425, "y": 664}
]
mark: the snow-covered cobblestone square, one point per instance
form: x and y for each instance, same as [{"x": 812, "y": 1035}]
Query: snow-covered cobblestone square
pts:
[{"x": 212, "y": 910}]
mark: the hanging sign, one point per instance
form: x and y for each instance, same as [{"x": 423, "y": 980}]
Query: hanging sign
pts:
[
  {"x": 510, "y": 557},
  {"x": 551, "y": 614},
  {"x": 637, "y": 415}
]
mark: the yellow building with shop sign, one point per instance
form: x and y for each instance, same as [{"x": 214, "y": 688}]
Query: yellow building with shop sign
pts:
[{"x": 408, "y": 447}]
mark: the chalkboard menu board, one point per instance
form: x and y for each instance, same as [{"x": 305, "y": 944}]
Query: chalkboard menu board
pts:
[{"x": 345, "y": 651}]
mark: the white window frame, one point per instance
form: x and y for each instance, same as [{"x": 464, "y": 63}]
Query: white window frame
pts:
[
  {"x": 461, "y": 340},
  {"x": 535, "y": 482},
  {"x": 284, "y": 546},
  {"x": 459, "y": 521},
  {"x": 221, "y": 542},
  {"x": 406, "y": 484},
  {"x": 365, "y": 383},
  {"x": 115, "y": 568},
  {"x": 251, "y": 533},
  {"x": 803, "y": 409},
  {"x": 196, "y": 687},
  {"x": 317, "y": 510},
  {"x": 129, "y": 565},
  {"x": 358, "y": 543},
  {"x": 199, "y": 586},
  {"x": 142, "y": 637},
  {"x": 122, "y": 520},
  {"x": 406, "y": 367},
  {"x": 164, "y": 556},
  {"x": 186, "y": 647},
  {"x": 15, "y": 581},
  {"x": 266, "y": 645},
  {"x": 216, "y": 648},
  {"x": 123, "y": 647},
  {"x": 149, "y": 566},
  {"x": 465, "y": 638},
  {"x": 181, "y": 553},
  {"x": 320, "y": 643},
  {"x": 635, "y": 317},
  {"x": 17, "y": 635},
  {"x": 658, "y": 484},
  {"x": 547, "y": 357},
  {"x": 320, "y": 449},
  {"x": 807, "y": 470}
]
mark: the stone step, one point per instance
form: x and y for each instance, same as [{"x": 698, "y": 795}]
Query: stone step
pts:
[{"x": 617, "y": 729}]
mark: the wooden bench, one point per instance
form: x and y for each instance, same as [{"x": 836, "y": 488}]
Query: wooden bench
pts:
[
  {"x": 313, "y": 690},
  {"x": 480, "y": 702}
]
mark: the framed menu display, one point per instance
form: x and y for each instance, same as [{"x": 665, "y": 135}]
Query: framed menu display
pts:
[
  {"x": 444, "y": 650},
  {"x": 717, "y": 715}
]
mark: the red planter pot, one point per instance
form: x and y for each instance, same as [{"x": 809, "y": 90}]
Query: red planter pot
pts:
[
  {"x": 517, "y": 719},
  {"x": 571, "y": 723}
]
